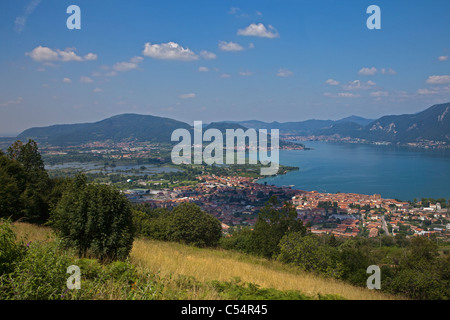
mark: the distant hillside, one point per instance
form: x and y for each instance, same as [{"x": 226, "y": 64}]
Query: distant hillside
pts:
[
  {"x": 430, "y": 124},
  {"x": 118, "y": 128},
  {"x": 307, "y": 127}
]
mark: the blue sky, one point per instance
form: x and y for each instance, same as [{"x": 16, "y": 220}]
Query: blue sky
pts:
[{"x": 220, "y": 60}]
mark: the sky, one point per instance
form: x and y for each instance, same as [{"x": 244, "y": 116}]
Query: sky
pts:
[{"x": 204, "y": 60}]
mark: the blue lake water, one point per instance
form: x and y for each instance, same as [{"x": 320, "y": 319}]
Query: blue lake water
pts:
[{"x": 393, "y": 172}]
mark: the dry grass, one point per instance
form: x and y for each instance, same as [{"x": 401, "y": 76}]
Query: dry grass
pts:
[
  {"x": 26, "y": 232},
  {"x": 208, "y": 264},
  {"x": 177, "y": 261}
]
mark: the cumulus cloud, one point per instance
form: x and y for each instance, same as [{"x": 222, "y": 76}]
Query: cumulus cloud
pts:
[
  {"x": 45, "y": 54},
  {"x": 388, "y": 71},
  {"x": 373, "y": 71},
  {"x": 225, "y": 75},
  {"x": 379, "y": 94},
  {"x": 443, "y": 58},
  {"x": 125, "y": 66},
  {"x": 332, "y": 82},
  {"x": 435, "y": 90},
  {"x": 341, "y": 95},
  {"x": 283, "y": 73},
  {"x": 359, "y": 85},
  {"x": 230, "y": 46},
  {"x": 187, "y": 96},
  {"x": 168, "y": 51},
  {"x": 368, "y": 71},
  {"x": 97, "y": 90},
  {"x": 86, "y": 80},
  {"x": 67, "y": 80},
  {"x": 207, "y": 55},
  {"x": 259, "y": 30},
  {"x": 438, "y": 79},
  {"x": 203, "y": 69},
  {"x": 90, "y": 56}
]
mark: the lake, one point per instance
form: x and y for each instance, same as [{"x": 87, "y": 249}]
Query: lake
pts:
[{"x": 394, "y": 172}]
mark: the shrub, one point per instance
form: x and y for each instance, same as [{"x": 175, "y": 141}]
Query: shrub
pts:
[
  {"x": 40, "y": 275},
  {"x": 10, "y": 250},
  {"x": 187, "y": 223},
  {"x": 95, "y": 220},
  {"x": 307, "y": 253}
]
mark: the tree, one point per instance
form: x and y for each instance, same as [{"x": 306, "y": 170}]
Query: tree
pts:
[
  {"x": 272, "y": 224},
  {"x": 187, "y": 223},
  {"x": 95, "y": 220},
  {"x": 308, "y": 253},
  {"x": 34, "y": 194}
]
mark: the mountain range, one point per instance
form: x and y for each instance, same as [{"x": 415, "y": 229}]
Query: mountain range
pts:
[{"x": 432, "y": 124}]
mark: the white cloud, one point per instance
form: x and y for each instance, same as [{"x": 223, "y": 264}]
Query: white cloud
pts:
[
  {"x": 136, "y": 59},
  {"x": 90, "y": 56},
  {"x": 207, "y": 55},
  {"x": 443, "y": 58},
  {"x": 45, "y": 54},
  {"x": 332, "y": 82},
  {"x": 21, "y": 21},
  {"x": 19, "y": 100},
  {"x": 125, "y": 66},
  {"x": 259, "y": 30},
  {"x": 284, "y": 73},
  {"x": 388, "y": 71},
  {"x": 245, "y": 73},
  {"x": 373, "y": 71},
  {"x": 230, "y": 46},
  {"x": 379, "y": 94},
  {"x": 341, "y": 95},
  {"x": 225, "y": 75},
  {"x": 435, "y": 90},
  {"x": 368, "y": 71},
  {"x": 203, "y": 69},
  {"x": 97, "y": 90},
  {"x": 168, "y": 51},
  {"x": 438, "y": 79},
  {"x": 128, "y": 65},
  {"x": 187, "y": 96},
  {"x": 358, "y": 85},
  {"x": 67, "y": 80},
  {"x": 86, "y": 80}
]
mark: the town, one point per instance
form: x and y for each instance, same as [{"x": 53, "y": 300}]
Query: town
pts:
[{"x": 236, "y": 201}]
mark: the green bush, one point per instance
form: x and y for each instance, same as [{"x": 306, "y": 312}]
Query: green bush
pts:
[
  {"x": 189, "y": 224},
  {"x": 10, "y": 250},
  {"x": 96, "y": 220},
  {"x": 186, "y": 223},
  {"x": 39, "y": 275},
  {"x": 307, "y": 253}
]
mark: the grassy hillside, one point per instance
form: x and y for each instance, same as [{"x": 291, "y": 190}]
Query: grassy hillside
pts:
[{"x": 187, "y": 272}]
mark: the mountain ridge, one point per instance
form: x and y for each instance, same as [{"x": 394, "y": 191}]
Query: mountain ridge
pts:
[{"x": 431, "y": 124}]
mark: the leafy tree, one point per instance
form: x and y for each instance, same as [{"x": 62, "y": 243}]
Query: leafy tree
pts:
[
  {"x": 12, "y": 185},
  {"x": 34, "y": 192},
  {"x": 189, "y": 224},
  {"x": 272, "y": 225},
  {"x": 308, "y": 253},
  {"x": 94, "y": 219}
]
